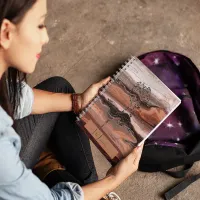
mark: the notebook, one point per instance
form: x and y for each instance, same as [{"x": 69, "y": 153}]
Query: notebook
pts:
[{"x": 127, "y": 110}]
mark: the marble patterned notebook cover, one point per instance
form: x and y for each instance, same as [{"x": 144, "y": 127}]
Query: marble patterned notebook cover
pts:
[{"x": 127, "y": 110}]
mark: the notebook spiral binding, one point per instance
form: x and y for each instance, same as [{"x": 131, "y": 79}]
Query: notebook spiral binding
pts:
[
  {"x": 105, "y": 87},
  {"x": 124, "y": 66},
  {"x": 83, "y": 112}
]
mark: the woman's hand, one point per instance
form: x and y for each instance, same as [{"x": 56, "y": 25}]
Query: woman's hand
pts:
[
  {"x": 115, "y": 176},
  {"x": 92, "y": 91},
  {"x": 127, "y": 166}
]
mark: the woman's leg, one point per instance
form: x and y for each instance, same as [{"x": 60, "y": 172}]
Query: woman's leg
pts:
[
  {"x": 72, "y": 147},
  {"x": 58, "y": 176},
  {"x": 35, "y": 131}
]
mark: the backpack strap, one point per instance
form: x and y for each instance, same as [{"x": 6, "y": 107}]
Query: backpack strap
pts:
[
  {"x": 180, "y": 187},
  {"x": 182, "y": 173}
]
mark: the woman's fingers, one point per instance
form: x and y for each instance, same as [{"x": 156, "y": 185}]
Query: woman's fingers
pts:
[
  {"x": 103, "y": 82},
  {"x": 138, "y": 154}
]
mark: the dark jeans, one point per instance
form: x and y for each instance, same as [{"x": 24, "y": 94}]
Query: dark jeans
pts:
[{"x": 71, "y": 145}]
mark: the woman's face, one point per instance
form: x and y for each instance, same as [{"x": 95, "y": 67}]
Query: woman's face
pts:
[{"x": 27, "y": 38}]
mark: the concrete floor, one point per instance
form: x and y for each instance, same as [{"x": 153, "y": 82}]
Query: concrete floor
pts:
[{"x": 89, "y": 39}]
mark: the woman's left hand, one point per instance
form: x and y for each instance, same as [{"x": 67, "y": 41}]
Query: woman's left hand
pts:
[{"x": 92, "y": 91}]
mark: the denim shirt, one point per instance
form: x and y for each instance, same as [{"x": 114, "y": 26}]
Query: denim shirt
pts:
[{"x": 16, "y": 181}]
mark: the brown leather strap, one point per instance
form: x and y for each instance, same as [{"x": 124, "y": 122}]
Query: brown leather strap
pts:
[{"x": 76, "y": 103}]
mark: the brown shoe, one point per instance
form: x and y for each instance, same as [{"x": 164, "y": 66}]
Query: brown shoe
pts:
[{"x": 46, "y": 164}]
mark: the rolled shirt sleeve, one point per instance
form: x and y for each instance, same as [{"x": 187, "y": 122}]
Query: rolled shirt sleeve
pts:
[
  {"x": 72, "y": 190},
  {"x": 26, "y": 102}
]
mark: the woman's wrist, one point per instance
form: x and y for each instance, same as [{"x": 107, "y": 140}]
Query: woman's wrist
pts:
[
  {"x": 97, "y": 190},
  {"x": 114, "y": 181}
]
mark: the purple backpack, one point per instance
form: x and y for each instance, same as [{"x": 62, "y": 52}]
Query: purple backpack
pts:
[{"x": 177, "y": 141}]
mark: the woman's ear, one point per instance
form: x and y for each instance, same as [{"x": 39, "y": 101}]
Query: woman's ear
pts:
[{"x": 6, "y": 34}]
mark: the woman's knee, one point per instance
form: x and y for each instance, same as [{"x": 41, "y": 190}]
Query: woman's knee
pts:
[
  {"x": 58, "y": 84},
  {"x": 61, "y": 81}
]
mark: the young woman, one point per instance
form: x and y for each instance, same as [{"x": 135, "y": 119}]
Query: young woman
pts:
[{"x": 22, "y": 36}]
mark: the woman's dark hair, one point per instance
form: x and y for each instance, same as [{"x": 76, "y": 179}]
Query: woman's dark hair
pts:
[{"x": 10, "y": 83}]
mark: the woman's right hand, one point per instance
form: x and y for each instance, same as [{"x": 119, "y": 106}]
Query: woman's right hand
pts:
[
  {"x": 126, "y": 167},
  {"x": 115, "y": 176}
]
